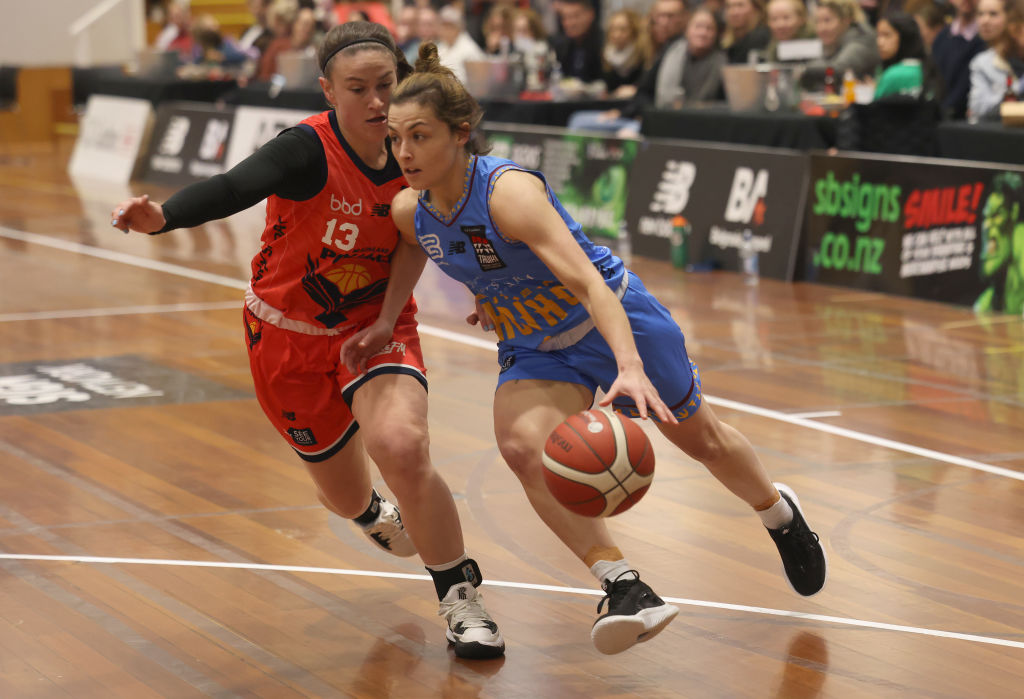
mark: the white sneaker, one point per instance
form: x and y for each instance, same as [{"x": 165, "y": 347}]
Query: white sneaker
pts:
[
  {"x": 387, "y": 531},
  {"x": 470, "y": 628}
]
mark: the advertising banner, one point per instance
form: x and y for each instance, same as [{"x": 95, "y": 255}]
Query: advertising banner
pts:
[
  {"x": 929, "y": 230},
  {"x": 254, "y": 126},
  {"x": 701, "y": 204},
  {"x": 189, "y": 143},
  {"x": 589, "y": 174},
  {"x": 110, "y": 136}
]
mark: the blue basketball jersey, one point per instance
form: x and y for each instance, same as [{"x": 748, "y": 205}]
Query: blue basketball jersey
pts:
[{"x": 523, "y": 298}]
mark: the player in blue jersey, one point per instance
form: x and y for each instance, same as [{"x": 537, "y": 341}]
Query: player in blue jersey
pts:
[{"x": 569, "y": 318}]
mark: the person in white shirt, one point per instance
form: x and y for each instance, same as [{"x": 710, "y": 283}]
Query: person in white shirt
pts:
[{"x": 456, "y": 45}]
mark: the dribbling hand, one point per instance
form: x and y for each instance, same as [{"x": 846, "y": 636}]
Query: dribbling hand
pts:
[
  {"x": 138, "y": 214},
  {"x": 633, "y": 383}
]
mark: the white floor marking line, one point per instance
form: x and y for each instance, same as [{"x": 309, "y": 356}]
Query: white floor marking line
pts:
[
  {"x": 524, "y": 586},
  {"x": 820, "y": 413},
  {"x": 477, "y": 342},
  {"x": 121, "y": 311},
  {"x": 866, "y": 438},
  {"x": 113, "y": 256}
]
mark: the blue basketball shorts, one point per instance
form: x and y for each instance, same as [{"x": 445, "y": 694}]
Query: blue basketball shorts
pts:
[{"x": 590, "y": 361}]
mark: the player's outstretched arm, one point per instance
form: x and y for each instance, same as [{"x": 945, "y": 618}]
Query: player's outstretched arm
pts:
[{"x": 519, "y": 206}]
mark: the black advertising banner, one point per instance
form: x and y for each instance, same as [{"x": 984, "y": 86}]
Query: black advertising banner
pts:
[
  {"x": 712, "y": 200},
  {"x": 925, "y": 229},
  {"x": 189, "y": 143},
  {"x": 589, "y": 174}
]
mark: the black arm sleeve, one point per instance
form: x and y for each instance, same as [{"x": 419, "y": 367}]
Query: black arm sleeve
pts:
[{"x": 292, "y": 166}]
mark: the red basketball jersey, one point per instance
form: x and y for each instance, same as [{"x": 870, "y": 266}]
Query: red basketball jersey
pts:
[{"x": 326, "y": 260}]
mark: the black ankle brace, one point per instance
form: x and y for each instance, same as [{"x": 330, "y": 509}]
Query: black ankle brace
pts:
[
  {"x": 370, "y": 514},
  {"x": 466, "y": 571}
]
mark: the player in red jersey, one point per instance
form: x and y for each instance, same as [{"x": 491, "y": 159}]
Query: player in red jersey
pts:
[{"x": 328, "y": 249}]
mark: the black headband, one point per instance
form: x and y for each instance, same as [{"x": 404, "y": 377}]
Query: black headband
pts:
[{"x": 353, "y": 42}]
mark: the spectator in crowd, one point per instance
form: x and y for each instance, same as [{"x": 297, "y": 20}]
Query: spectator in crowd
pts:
[
  {"x": 307, "y": 32},
  {"x": 258, "y": 36},
  {"x": 991, "y": 20},
  {"x": 580, "y": 45},
  {"x": 528, "y": 33},
  {"x": 497, "y": 29},
  {"x": 666, "y": 23},
  {"x": 625, "y": 53},
  {"x": 428, "y": 26},
  {"x": 177, "y": 32},
  {"x": 405, "y": 31},
  {"x": 456, "y": 46},
  {"x": 848, "y": 43},
  {"x": 902, "y": 71},
  {"x": 745, "y": 30},
  {"x": 281, "y": 16},
  {"x": 689, "y": 70},
  {"x": 530, "y": 40},
  {"x": 992, "y": 70},
  {"x": 954, "y": 47},
  {"x": 787, "y": 21},
  {"x": 212, "y": 48},
  {"x": 371, "y": 11},
  {"x": 932, "y": 17}
]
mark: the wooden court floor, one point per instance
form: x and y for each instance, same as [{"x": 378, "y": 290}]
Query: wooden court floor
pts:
[{"x": 157, "y": 539}]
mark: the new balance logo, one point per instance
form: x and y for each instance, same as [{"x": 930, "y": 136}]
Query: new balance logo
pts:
[{"x": 380, "y": 209}]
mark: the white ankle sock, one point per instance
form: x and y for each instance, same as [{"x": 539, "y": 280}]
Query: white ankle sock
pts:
[
  {"x": 609, "y": 570},
  {"x": 778, "y": 515},
  {"x": 440, "y": 567}
]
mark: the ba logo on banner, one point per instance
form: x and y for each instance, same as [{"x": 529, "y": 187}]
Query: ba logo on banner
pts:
[
  {"x": 673, "y": 191},
  {"x": 746, "y": 197},
  {"x": 214, "y": 137}
]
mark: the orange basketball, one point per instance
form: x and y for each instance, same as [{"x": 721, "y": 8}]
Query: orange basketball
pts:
[
  {"x": 349, "y": 277},
  {"x": 598, "y": 463}
]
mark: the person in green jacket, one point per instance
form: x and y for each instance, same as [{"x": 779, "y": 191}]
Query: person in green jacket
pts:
[{"x": 903, "y": 56}]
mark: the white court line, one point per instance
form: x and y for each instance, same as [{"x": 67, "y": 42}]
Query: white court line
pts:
[
  {"x": 974, "y": 638},
  {"x": 820, "y": 413},
  {"x": 120, "y": 311},
  {"x": 477, "y": 342}
]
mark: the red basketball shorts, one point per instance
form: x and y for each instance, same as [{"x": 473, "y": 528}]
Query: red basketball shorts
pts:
[{"x": 306, "y": 391}]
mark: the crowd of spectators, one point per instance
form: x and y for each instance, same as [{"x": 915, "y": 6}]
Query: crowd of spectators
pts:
[{"x": 967, "y": 55}]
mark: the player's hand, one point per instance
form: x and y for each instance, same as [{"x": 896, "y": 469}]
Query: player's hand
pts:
[
  {"x": 633, "y": 382},
  {"x": 357, "y": 349},
  {"x": 480, "y": 316},
  {"x": 138, "y": 214}
]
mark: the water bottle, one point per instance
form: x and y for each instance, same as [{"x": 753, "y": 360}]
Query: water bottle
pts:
[
  {"x": 748, "y": 258},
  {"x": 678, "y": 241}
]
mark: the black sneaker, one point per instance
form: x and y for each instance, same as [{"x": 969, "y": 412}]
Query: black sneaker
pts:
[
  {"x": 470, "y": 628},
  {"x": 635, "y": 614},
  {"x": 802, "y": 555}
]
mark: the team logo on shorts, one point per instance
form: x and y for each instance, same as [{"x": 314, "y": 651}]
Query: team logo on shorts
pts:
[
  {"x": 302, "y": 436},
  {"x": 505, "y": 363},
  {"x": 485, "y": 254},
  {"x": 253, "y": 329}
]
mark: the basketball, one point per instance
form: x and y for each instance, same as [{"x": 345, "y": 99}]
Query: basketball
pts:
[
  {"x": 598, "y": 463},
  {"x": 349, "y": 277}
]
